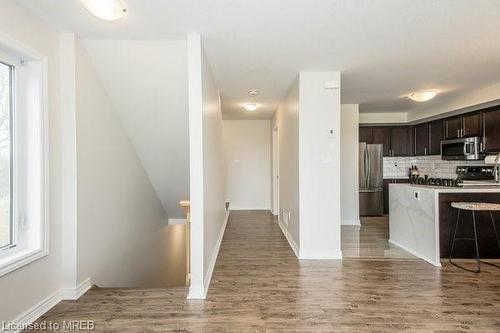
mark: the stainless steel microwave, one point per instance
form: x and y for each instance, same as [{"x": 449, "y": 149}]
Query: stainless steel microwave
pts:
[{"x": 462, "y": 149}]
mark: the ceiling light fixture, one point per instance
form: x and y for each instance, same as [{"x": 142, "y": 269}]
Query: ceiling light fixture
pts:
[
  {"x": 250, "y": 106},
  {"x": 253, "y": 93},
  {"x": 423, "y": 95},
  {"x": 108, "y": 10}
]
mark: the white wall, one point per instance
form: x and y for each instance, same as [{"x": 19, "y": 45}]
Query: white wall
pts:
[
  {"x": 382, "y": 117},
  {"x": 286, "y": 119},
  {"x": 147, "y": 84},
  {"x": 208, "y": 170},
  {"x": 349, "y": 180},
  {"x": 121, "y": 223},
  {"x": 248, "y": 154},
  {"x": 31, "y": 284},
  {"x": 319, "y": 165}
]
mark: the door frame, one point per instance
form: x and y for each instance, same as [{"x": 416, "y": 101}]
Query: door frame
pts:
[{"x": 275, "y": 172}]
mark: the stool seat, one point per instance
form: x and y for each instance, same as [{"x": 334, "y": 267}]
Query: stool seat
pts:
[{"x": 482, "y": 206}]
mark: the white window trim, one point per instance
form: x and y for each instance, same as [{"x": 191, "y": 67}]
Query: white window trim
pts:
[{"x": 24, "y": 257}]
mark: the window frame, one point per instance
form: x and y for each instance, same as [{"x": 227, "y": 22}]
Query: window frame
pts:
[
  {"x": 29, "y": 66},
  {"x": 13, "y": 226}
]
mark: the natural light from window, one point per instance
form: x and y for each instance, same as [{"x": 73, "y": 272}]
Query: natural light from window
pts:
[{"x": 6, "y": 229}]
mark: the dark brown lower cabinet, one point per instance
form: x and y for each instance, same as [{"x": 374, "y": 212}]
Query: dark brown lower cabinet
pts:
[
  {"x": 386, "y": 183},
  {"x": 487, "y": 242}
]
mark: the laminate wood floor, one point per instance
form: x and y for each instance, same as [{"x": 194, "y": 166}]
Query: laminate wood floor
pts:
[
  {"x": 371, "y": 240},
  {"x": 259, "y": 286}
]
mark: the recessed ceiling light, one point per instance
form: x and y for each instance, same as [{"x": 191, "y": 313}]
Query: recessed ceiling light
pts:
[
  {"x": 108, "y": 10},
  {"x": 423, "y": 95},
  {"x": 250, "y": 106},
  {"x": 253, "y": 92}
]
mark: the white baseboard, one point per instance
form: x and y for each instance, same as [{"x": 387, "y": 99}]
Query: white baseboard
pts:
[
  {"x": 416, "y": 254},
  {"x": 351, "y": 222},
  {"x": 289, "y": 238},
  {"x": 39, "y": 309},
  {"x": 200, "y": 292},
  {"x": 176, "y": 221},
  {"x": 35, "y": 312},
  {"x": 196, "y": 293},
  {"x": 320, "y": 255},
  {"x": 75, "y": 293},
  {"x": 251, "y": 208}
]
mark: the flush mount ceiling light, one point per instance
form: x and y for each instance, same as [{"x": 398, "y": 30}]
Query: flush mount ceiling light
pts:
[
  {"x": 250, "y": 106},
  {"x": 423, "y": 95},
  {"x": 108, "y": 10}
]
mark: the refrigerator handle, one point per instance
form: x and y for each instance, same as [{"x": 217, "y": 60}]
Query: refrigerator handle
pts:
[
  {"x": 368, "y": 180},
  {"x": 365, "y": 166}
]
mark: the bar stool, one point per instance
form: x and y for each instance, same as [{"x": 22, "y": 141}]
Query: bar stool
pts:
[{"x": 474, "y": 207}]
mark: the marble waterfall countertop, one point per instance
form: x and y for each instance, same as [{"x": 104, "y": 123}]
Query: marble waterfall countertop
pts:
[
  {"x": 461, "y": 189},
  {"x": 414, "y": 217}
]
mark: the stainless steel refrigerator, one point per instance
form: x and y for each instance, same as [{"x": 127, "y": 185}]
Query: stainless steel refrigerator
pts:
[{"x": 371, "y": 198}]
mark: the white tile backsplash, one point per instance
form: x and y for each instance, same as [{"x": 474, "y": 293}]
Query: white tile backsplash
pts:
[{"x": 434, "y": 166}]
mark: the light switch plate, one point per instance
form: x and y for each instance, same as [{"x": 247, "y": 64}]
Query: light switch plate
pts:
[{"x": 332, "y": 85}]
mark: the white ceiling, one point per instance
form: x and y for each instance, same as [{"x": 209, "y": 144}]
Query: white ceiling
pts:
[{"x": 384, "y": 49}]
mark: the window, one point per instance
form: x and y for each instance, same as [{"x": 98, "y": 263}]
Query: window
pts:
[
  {"x": 23, "y": 153},
  {"x": 6, "y": 202}
]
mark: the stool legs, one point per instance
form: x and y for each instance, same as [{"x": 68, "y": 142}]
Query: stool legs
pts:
[
  {"x": 495, "y": 228},
  {"x": 454, "y": 235},
  {"x": 474, "y": 239}
]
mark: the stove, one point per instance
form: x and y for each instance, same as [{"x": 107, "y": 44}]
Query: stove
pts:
[{"x": 483, "y": 175}]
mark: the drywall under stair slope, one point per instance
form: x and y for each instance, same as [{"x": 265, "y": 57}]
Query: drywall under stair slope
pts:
[{"x": 147, "y": 83}]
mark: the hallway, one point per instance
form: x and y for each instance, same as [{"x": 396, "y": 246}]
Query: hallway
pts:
[{"x": 259, "y": 285}]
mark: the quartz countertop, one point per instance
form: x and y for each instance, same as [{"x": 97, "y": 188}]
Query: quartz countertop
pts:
[
  {"x": 462, "y": 189},
  {"x": 395, "y": 177}
]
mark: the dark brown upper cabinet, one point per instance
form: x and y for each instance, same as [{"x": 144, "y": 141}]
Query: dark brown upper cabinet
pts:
[
  {"x": 395, "y": 139},
  {"x": 366, "y": 134},
  {"x": 421, "y": 139},
  {"x": 435, "y": 137},
  {"x": 400, "y": 141},
  {"x": 425, "y": 139},
  {"x": 452, "y": 127},
  {"x": 471, "y": 124},
  {"x": 463, "y": 126},
  {"x": 491, "y": 130},
  {"x": 382, "y": 135}
]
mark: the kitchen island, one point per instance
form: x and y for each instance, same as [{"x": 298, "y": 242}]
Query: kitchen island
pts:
[{"x": 421, "y": 220}]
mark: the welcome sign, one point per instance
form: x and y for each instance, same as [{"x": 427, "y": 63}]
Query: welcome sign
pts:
[{"x": 426, "y": 180}]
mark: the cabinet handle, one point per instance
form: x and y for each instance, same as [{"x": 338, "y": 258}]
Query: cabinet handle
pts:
[
  {"x": 425, "y": 151},
  {"x": 458, "y": 133}
]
